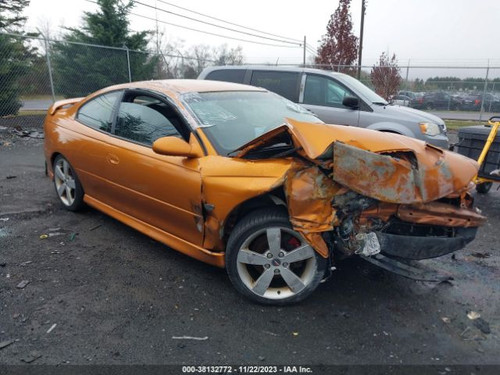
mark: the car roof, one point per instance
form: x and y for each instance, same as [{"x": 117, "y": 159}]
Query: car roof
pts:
[
  {"x": 292, "y": 69},
  {"x": 181, "y": 86}
]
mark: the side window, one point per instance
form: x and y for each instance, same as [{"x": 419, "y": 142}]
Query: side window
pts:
[
  {"x": 228, "y": 75},
  {"x": 98, "y": 112},
  {"x": 282, "y": 83},
  {"x": 324, "y": 91},
  {"x": 144, "y": 119}
]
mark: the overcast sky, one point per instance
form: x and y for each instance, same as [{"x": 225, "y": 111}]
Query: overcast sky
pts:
[{"x": 421, "y": 32}]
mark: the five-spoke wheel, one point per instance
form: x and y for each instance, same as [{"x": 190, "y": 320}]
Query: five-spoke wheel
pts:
[
  {"x": 68, "y": 187},
  {"x": 270, "y": 262}
]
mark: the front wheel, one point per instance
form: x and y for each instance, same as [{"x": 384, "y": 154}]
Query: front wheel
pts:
[{"x": 269, "y": 262}]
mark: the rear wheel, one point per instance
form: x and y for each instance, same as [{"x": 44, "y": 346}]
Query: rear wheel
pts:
[
  {"x": 269, "y": 262},
  {"x": 68, "y": 187},
  {"x": 484, "y": 187}
]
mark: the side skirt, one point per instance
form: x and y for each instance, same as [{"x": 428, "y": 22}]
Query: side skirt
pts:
[{"x": 176, "y": 243}]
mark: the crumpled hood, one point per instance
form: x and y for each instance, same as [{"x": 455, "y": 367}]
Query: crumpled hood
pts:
[{"x": 384, "y": 166}]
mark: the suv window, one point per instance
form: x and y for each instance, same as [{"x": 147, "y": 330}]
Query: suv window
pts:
[
  {"x": 283, "y": 83},
  {"x": 228, "y": 75},
  {"x": 324, "y": 91},
  {"x": 143, "y": 119},
  {"x": 97, "y": 113}
]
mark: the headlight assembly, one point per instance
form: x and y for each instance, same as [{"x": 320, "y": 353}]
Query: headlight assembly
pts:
[{"x": 429, "y": 128}]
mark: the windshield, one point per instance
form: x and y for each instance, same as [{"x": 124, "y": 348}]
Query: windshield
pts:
[
  {"x": 231, "y": 119},
  {"x": 364, "y": 91}
]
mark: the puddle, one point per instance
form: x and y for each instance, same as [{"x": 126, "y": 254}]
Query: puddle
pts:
[{"x": 3, "y": 232}]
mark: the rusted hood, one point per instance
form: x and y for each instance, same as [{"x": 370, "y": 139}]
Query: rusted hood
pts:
[{"x": 385, "y": 166}]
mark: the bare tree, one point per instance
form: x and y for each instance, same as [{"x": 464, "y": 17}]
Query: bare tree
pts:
[
  {"x": 225, "y": 56},
  {"x": 339, "y": 46},
  {"x": 385, "y": 76},
  {"x": 199, "y": 57}
]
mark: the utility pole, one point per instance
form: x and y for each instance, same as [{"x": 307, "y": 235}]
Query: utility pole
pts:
[
  {"x": 304, "y": 59},
  {"x": 363, "y": 10},
  {"x": 49, "y": 67}
]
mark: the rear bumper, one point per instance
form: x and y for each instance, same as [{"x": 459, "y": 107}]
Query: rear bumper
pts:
[{"x": 412, "y": 247}]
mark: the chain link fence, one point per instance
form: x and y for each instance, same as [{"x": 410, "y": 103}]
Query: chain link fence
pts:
[{"x": 35, "y": 72}]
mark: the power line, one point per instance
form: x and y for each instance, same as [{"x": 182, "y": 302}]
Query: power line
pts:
[
  {"x": 229, "y": 23},
  {"x": 202, "y": 31},
  {"x": 310, "y": 50},
  {"x": 215, "y": 25},
  {"x": 210, "y": 33}
]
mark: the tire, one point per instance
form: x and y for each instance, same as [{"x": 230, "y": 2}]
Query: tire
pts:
[
  {"x": 69, "y": 190},
  {"x": 484, "y": 188},
  {"x": 429, "y": 106},
  {"x": 281, "y": 274}
]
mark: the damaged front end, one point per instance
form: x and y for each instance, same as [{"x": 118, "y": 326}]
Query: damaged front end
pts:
[{"x": 354, "y": 191}]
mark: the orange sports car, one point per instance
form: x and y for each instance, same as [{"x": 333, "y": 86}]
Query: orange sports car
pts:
[{"x": 239, "y": 177}]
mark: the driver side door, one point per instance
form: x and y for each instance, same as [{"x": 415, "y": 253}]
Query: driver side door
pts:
[{"x": 161, "y": 191}]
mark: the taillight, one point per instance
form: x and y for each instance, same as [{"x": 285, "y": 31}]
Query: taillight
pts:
[{"x": 477, "y": 102}]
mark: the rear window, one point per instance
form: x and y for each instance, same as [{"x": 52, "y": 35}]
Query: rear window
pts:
[
  {"x": 227, "y": 75},
  {"x": 97, "y": 113},
  {"x": 283, "y": 83}
]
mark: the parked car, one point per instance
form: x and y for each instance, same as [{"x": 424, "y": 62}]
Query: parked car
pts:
[
  {"x": 474, "y": 102},
  {"x": 241, "y": 178},
  {"x": 401, "y": 100},
  {"x": 436, "y": 100},
  {"x": 409, "y": 94},
  {"x": 336, "y": 98}
]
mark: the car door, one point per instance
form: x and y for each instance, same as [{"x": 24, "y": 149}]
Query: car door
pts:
[
  {"x": 162, "y": 191},
  {"x": 323, "y": 96}
]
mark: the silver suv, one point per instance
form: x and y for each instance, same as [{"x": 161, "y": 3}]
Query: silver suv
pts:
[{"x": 336, "y": 98}]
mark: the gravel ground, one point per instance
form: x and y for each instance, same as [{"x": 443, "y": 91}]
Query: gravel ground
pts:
[{"x": 82, "y": 288}]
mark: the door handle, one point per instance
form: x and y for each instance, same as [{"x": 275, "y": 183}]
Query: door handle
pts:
[{"x": 112, "y": 159}]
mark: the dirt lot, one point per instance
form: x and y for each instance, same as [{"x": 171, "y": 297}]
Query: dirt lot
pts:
[{"x": 81, "y": 288}]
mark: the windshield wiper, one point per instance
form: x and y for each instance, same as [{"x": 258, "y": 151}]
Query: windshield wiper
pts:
[{"x": 380, "y": 103}]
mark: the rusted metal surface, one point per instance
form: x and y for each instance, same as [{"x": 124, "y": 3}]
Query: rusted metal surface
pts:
[
  {"x": 434, "y": 213},
  {"x": 437, "y": 213},
  {"x": 405, "y": 178},
  {"x": 382, "y": 211},
  {"x": 309, "y": 194}
]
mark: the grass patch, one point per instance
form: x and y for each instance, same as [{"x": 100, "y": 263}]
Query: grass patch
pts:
[{"x": 457, "y": 124}]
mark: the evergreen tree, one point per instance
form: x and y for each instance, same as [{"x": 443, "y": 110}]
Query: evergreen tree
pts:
[
  {"x": 14, "y": 62},
  {"x": 82, "y": 69},
  {"x": 339, "y": 46}
]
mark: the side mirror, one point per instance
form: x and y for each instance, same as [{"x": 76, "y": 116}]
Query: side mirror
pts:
[
  {"x": 351, "y": 102},
  {"x": 173, "y": 146}
]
